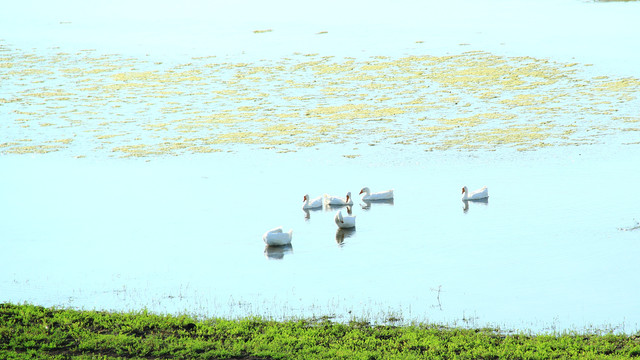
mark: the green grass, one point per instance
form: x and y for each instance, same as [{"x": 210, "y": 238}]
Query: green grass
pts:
[{"x": 33, "y": 332}]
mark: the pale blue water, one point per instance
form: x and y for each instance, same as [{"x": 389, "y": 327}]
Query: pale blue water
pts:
[
  {"x": 546, "y": 251},
  {"x": 552, "y": 249}
]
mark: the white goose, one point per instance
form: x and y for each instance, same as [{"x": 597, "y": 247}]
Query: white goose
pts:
[
  {"x": 312, "y": 204},
  {"x": 369, "y": 196},
  {"x": 475, "y": 195},
  {"x": 345, "y": 222},
  {"x": 276, "y": 237},
  {"x": 338, "y": 201}
]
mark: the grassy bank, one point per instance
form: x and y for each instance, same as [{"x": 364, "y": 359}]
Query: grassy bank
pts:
[{"x": 32, "y": 332}]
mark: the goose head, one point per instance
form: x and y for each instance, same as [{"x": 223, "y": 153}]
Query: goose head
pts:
[
  {"x": 348, "y": 196},
  {"x": 365, "y": 190},
  {"x": 306, "y": 198},
  {"x": 465, "y": 193}
]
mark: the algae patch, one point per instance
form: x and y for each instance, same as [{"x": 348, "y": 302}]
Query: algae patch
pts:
[{"x": 119, "y": 106}]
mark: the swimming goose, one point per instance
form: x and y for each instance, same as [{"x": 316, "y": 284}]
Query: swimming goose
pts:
[
  {"x": 475, "y": 195},
  {"x": 344, "y": 222},
  {"x": 369, "y": 196},
  {"x": 312, "y": 204},
  {"x": 338, "y": 201},
  {"x": 276, "y": 237}
]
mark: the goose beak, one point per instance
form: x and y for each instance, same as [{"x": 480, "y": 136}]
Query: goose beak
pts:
[
  {"x": 361, "y": 191},
  {"x": 347, "y": 198},
  {"x": 305, "y": 198},
  {"x": 463, "y": 190}
]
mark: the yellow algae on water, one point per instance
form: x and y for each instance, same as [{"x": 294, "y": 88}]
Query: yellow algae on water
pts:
[
  {"x": 279, "y": 129},
  {"x": 523, "y": 100},
  {"x": 333, "y": 68},
  {"x": 34, "y": 149},
  {"x": 108, "y": 136},
  {"x": 64, "y": 141},
  {"x": 135, "y": 75},
  {"x": 332, "y": 110},
  {"x": 309, "y": 142},
  {"x": 203, "y": 149},
  {"x": 514, "y": 135},
  {"x": 628, "y": 119},
  {"x": 470, "y": 101},
  {"x": 387, "y": 112},
  {"x": 475, "y": 120},
  {"x": 626, "y": 84},
  {"x": 138, "y": 150}
]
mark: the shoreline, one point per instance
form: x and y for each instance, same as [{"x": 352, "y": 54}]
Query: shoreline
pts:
[{"x": 28, "y": 331}]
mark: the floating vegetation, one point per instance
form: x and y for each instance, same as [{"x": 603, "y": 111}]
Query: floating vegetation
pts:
[
  {"x": 631, "y": 228},
  {"x": 111, "y": 105}
]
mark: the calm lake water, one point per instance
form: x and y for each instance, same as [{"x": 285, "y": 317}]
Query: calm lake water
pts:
[
  {"x": 554, "y": 248},
  {"x": 548, "y": 250}
]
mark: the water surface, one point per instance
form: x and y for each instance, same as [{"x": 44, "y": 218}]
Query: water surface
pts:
[
  {"x": 548, "y": 249},
  {"x": 141, "y": 173}
]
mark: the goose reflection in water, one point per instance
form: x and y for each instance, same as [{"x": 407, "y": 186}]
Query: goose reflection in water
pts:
[
  {"x": 277, "y": 252},
  {"x": 465, "y": 203},
  {"x": 342, "y": 234},
  {"x": 349, "y": 210},
  {"x": 366, "y": 205},
  {"x": 307, "y": 213},
  {"x": 334, "y": 208}
]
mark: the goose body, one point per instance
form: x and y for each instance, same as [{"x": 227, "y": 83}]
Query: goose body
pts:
[
  {"x": 338, "y": 201},
  {"x": 312, "y": 204},
  {"x": 277, "y": 237},
  {"x": 345, "y": 222},
  {"x": 369, "y": 196},
  {"x": 475, "y": 195}
]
